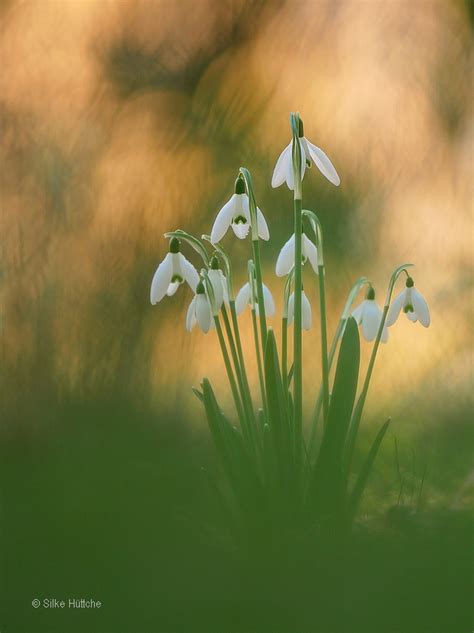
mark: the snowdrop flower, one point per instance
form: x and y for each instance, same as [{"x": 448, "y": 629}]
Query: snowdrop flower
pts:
[
  {"x": 199, "y": 311},
  {"x": 244, "y": 298},
  {"x": 306, "y": 314},
  {"x": 173, "y": 271},
  {"x": 219, "y": 284},
  {"x": 236, "y": 214},
  {"x": 413, "y": 305},
  {"x": 284, "y": 167},
  {"x": 286, "y": 258},
  {"x": 368, "y": 315}
]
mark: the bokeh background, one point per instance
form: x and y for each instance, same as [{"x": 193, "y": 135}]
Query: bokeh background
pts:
[{"x": 122, "y": 119}]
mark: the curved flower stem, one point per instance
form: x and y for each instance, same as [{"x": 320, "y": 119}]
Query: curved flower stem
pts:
[
  {"x": 256, "y": 254},
  {"x": 319, "y": 401},
  {"x": 231, "y": 377},
  {"x": 297, "y": 338},
  {"x": 240, "y": 353},
  {"x": 284, "y": 354},
  {"x": 261, "y": 303},
  {"x": 324, "y": 342},
  {"x": 357, "y": 414},
  {"x": 284, "y": 332},
  {"x": 324, "y": 396},
  {"x": 238, "y": 371},
  {"x": 259, "y": 362}
]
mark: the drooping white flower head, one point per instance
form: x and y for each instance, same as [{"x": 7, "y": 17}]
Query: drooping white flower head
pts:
[
  {"x": 244, "y": 298},
  {"x": 171, "y": 273},
  {"x": 286, "y": 258},
  {"x": 306, "y": 314},
  {"x": 412, "y": 304},
  {"x": 199, "y": 311},
  {"x": 218, "y": 282},
  {"x": 368, "y": 315},
  {"x": 284, "y": 167},
  {"x": 236, "y": 214}
]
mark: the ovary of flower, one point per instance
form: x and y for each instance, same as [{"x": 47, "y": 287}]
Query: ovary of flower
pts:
[
  {"x": 286, "y": 258},
  {"x": 368, "y": 315},
  {"x": 244, "y": 298},
  {"x": 236, "y": 213},
  {"x": 173, "y": 271},
  {"x": 306, "y": 314},
  {"x": 413, "y": 305},
  {"x": 284, "y": 167},
  {"x": 199, "y": 311}
]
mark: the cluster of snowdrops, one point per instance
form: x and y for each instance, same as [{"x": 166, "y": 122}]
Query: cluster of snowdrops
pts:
[{"x": 277, "y": 471}]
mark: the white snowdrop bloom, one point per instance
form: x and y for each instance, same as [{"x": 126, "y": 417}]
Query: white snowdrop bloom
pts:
[
  {"x": 412, "y": 304},
  {"x": 368, "y": 315},
  {"x": 171, "y": 273},
  {"x": 244, "y": 298},
  {"x": 306, "y": 314},
  {"x": 284, "y": 167},
  {"x": 218, "y": 282},
  {"x": 236, "y": 214},
  {"x": 199, "y": 311},
  {"x": 286, "y": 258}
]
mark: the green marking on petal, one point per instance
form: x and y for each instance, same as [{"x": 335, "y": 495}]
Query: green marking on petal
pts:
[
  {"x": 408, "y": 308},
  {"x": 239, "y": 219},
  {"x": 177, "y": 279}
]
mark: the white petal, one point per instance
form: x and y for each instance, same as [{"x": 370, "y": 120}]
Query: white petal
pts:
[
  {"x": 323, "y": 163},
  {"x": 291, "y": 308},
  {"x": 172, "y": 288},
  {"x": 161, "y": 279},
  {"x": 384, "y": 337},
  {"x": 225, "y": 294},
  {"x": 358, "y": 312},
  {"x": 310, "y": 251},
  {"x": 188, "y": 271},
  {"x": 395, "y": 308},
  {"x": 191, "y": 315},
  {"x": 243, "y": 298},
  {"x": 268, "y": 301},
  {"x": 216, "y": 282},
  {"x": 421, "y": 307},
  {"x": 242, "y": 206},
  {"x": 263, "y": 232},
  {"x": 412, "y": 316},
  {"x": 371, "y": 320},
  {"x": 203, "y": 312},
  {"x": 305, "y": 156},
  {"x": 281, "y": 167},
  {"x": 290, "y": 181},
  {"x": 306, "y": 316},
  {"x": 223, "y": 220},
  {"x": 286, "y": 258},
  {"x": 241, "y": 230}
]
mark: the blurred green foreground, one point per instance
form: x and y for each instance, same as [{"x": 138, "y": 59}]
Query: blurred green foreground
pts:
[{"x": 111, "y": 506}]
